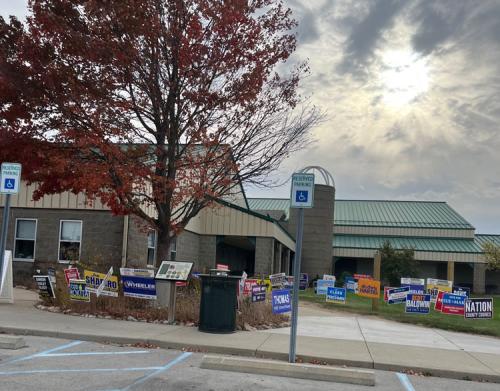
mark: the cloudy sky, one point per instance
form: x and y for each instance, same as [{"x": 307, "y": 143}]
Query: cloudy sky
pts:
[{"x": 412, "y": 93}]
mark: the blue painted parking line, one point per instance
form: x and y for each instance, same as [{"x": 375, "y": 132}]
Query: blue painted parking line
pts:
[
  {"x": 93, "y": 353},
  {"x": 67, "y": 346},
  {"x": 41, "y": 354},
  {"x": 41, "y": 371},
  {"x": 405, "y": 381},
  {"x": 141, "y": 380}
]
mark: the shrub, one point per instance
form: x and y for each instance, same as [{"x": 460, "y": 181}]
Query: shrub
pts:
[{"x": 397, "y": 264}]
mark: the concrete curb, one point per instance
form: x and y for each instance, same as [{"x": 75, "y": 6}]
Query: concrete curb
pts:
[
  {"x": 213, "y": 349},
  {"x": 284, "y": 369},
  {"x": 445, "y": 373},
  {"x": 9, "y": 342}
]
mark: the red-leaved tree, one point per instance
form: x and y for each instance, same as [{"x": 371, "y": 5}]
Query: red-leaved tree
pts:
[{"x": 154, "y": 106}]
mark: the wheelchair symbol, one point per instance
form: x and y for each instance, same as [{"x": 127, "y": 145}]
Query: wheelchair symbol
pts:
[
  {"x": 10, "y": 183},
  {"x": 301, "y": 196}
]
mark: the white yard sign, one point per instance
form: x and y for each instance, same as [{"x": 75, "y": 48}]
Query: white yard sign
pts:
[
  {"x": 302, "y": 195},
  {"x": 10, "y": 178}
]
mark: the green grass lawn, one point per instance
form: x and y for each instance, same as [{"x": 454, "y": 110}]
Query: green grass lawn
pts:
[{"x": 363, "y": 305}]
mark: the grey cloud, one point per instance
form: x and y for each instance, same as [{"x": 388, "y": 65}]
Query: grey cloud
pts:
[
  {"x": 437, "y": 21},
  {"x": 308, "y": 22},
  {"x": 365, "y": 35},
  {"x": 395, "y": 133},
  {"x": 467, "y": 22}
]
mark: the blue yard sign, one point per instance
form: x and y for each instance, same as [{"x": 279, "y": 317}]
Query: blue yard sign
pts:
[
  {"x": 417, "y": 303},
  {"x": 336, "y": 295},
  {"x": 350, "y": 284},
  {"x": 140, "y": 287},
  {"x": 461, "y": 291},
  {"x": 282, "y": 301},
  {"x": 397, "y": 295},
  {"x": 304, "y": 281},
  {"x": 323, "y": 285}
]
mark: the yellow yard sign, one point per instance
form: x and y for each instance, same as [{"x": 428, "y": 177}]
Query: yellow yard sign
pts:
[{"x": 369, "y": 288}]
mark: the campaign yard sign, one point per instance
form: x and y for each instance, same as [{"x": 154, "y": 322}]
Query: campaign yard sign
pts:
[
  {"x": 323, "y": 285},
  {"x": 362, "y": 277},
  {"x": 258, "y": 293},
  {"x": 281, "y": 301},
  {"x": 44, "y": 284},
  {"x": 453, "y": 304},
  {"x": 78, "y": 290},
  {"x": 277, "y": 279},
  {"x": 94, "y": 280},
  {"x": 438, "y": 305},
  {"x": 369, "y": 288},
  {"x": 397, "y": 295},
  {"x": 461, "y": 291},
  {"x": 417, "y": 285},
  {"x": 303, "y": 281},
  {"x": 335, "y": 295},
  {"x": 434, "y": 286},
  {"x": 329, "y": 277},
  {"x": 417, "y": 303},
  {"x": 386, "y": 294},
  {"x": 350, "y": 284},
  {"x": 247, "y": 286},
  {"x": 139, "y": 287},
  {"x": 71, "y": 273},
  {"x": 478, "y": 308}
]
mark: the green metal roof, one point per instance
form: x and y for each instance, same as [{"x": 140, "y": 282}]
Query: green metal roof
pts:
[
  {"x": 373, "y": 213},
  {"x": 482, "y": 238},
  {"x": 405, "y": 214},
  {"x": 471, "y": 246},
  {"x": 418, "y": 244},
  {"x": 270, "y": 204}
]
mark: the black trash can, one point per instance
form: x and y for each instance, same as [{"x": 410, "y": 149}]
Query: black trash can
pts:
[{"x": 218, "y": 303}]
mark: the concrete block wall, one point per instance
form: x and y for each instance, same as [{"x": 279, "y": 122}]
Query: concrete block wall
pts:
[
  {"x": 137, "y": 243},
  {"x": 188, "y": 247},
  {"x": 101, "y": 240},
  {"x": 207, "y": 252},
  {"x": 264, "y": 255},
  {"x": 318, "y": 232}
]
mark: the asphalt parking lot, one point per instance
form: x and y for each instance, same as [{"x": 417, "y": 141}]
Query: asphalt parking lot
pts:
[{"x": 56, "y": 364}]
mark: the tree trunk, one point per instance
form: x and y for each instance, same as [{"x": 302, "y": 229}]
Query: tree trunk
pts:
[{"x": 162, "y": 247}]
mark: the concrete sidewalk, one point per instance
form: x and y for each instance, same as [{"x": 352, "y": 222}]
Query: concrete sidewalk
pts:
[{"x": 365, "y": 352}]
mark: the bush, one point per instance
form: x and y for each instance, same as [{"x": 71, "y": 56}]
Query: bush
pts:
[{"x": 397, "y": 264}]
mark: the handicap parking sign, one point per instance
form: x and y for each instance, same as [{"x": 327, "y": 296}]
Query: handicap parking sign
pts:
[
  {"x": 10, "y": 175},
  {"x": 302, "y": 192}
]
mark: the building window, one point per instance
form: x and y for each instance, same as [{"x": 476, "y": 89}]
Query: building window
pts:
[
  {"x": 173, "y": 249},
  {"x": 25, "y": 239},
  {"x": 151, "y": 248},
  {"x": 70, "y": 238}
]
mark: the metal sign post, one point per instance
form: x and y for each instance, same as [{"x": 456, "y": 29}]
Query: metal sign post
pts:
[
  {"x": 302, "y": 196},
  {"x": 9, "y": 184}
]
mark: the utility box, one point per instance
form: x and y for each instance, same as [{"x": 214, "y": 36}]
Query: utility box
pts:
[{"x": 218, "y": 303}]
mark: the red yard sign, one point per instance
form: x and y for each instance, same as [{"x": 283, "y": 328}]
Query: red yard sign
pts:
[
  {"x": 438, "y": 306},
  {"x": 71, "y": 273},
  {"x": 363, "y": 277},
  {"x": 247, "y": 289},
  {"x": 386, "y": 294}
]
